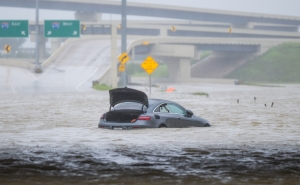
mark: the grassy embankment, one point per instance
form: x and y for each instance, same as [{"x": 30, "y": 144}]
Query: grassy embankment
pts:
[
  {"x": 102, "y": 87},
  {"x": 280, "y": 64}
]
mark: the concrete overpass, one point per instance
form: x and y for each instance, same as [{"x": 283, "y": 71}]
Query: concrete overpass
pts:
[
  {"x": 152, "y": 10},
  {"x": 177, "y": 53},
  {"x": 249, "y": 35},
  {"x": 158, "y": 28},
  {"x": 195, "y": 29}
]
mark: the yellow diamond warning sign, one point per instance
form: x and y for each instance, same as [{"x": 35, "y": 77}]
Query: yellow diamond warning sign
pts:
[{"x": 149, "y": 65}]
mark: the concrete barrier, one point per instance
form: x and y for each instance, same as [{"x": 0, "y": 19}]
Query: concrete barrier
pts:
[
  {"x": 17, "y": 63},
  {"x": 145, "y": 80},
  {"x": 105, "y": 78},
  {"x": 52, "y": 58}
]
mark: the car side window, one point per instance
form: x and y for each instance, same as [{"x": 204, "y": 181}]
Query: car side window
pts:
[
  {"x": 176, "y": 109},
  {"x": 165, "y": 109}
]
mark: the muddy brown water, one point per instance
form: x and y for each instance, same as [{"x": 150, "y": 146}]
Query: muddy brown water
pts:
[{"x": 52, "y": 138}]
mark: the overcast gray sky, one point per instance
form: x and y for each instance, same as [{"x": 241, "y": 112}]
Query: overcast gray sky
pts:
[{"x": 279, "y": 7}]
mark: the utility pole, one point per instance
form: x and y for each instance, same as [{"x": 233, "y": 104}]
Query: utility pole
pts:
[
  {"x": 38, "y": 68},
  {"x": 124, "y": 39}
]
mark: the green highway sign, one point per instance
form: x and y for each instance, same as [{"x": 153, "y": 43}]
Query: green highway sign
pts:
[
  {"x": 13, "y": 28},
  {"x": 61, "y": 28}
]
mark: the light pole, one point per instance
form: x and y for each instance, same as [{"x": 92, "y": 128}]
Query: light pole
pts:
[
  {"x": 124, "y": 38},
  {"x": 38, "y": 68}
]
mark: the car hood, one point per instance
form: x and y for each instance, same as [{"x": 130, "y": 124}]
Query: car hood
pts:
[{"x": 120, "y": 95}]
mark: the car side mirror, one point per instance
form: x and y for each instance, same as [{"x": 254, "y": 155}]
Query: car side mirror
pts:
[{"x": 189, "y": 112}]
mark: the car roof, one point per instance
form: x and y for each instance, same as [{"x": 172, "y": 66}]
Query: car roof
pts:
[{"x": 157, "y": 101}]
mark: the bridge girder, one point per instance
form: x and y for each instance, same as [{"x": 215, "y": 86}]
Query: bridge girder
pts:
[{"x": 139, "y": 9}]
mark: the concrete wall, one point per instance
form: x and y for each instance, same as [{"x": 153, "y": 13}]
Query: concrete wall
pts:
[
  {"x": 17, "y": 63},
  {"x": 52, "y": 58},
  {"x": 157, "y": 81},
  {"x": 105, "y": 78}
]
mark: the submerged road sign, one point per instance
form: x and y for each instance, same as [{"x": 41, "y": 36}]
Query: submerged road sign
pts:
[
  {"x": 61, "y": 28},
  {"x": 149, "y": 65},
  {"x": 13, "y": 28}
]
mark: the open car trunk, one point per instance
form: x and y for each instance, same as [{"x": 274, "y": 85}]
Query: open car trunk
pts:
[{"x": 123, "y": 116}]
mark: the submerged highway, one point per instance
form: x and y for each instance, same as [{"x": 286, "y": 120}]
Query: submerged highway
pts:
[
  {"x": 49, "y": 134},
  {"x": 73, "y": 70}
]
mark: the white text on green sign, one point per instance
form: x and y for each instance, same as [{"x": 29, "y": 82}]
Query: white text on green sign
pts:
[
  {"x": 62, "y": 28},
  {"x": 13, "y": 28}
]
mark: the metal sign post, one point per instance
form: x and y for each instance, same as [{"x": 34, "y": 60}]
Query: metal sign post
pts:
[
  {"x": 149, "y": 65},
  {"x": 150, "y": 83},
  {"x": 124, "y": 44},
  {"x": 7, "y": 50},
  {"x": 37, "y": 35}
]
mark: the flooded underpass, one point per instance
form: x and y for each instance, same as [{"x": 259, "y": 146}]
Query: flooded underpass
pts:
[{"x": 52, "y": 138}]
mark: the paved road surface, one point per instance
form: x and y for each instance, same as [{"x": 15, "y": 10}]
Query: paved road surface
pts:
[{"x": 74, "y": 70}]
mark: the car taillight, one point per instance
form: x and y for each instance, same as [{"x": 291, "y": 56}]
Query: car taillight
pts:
[
  {"x": 102, "y": 117},
  {"x": 144, "y": 118}
]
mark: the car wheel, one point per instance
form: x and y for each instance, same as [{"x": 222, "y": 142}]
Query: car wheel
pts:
[
  {"x": 206, "y": 125},
  {"x": 162, "y": 126}
]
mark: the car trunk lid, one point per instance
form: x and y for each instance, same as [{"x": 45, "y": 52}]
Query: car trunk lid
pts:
[{"x": 120, "y": 95}]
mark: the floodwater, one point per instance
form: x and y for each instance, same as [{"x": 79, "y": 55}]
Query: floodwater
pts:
[{"x": 52, "y": 138}]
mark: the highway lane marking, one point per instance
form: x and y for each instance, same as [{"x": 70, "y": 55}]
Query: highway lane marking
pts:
[
  {"x": 31, "y": 74},
  {"x": 77, "y": 88},
  {"x": 43, "y": 74}
]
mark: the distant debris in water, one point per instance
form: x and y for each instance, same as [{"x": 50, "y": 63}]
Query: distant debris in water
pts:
[
  {"x": 200, "y": 94},
  {"x": 265, "y": 105},
  {"x": 170, "y": 89},
  {"x": 272, "y": 104}
]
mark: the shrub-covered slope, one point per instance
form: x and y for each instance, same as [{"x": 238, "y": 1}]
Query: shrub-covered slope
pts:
[{"x": 280, "y": 64}]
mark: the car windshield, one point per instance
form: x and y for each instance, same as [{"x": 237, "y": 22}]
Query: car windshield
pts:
[{"x": 129, "y": 105}]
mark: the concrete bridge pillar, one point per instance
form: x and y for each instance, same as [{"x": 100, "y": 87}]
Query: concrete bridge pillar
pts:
[
  {"x": 173, "y": 67},
  {"x": 184, "y": 69},
  {"x": 163, "y": 32},
  {"x": 179, "y": 69},
  {"x": 55, "y": 44},
  {"x": 177, "y": 58},
  {"x": 88, "y": 17}
]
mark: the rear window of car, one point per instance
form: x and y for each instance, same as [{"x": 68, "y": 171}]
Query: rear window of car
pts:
[
  {"x": 151, "y": 102},
  {"x": 129, "y": 105}
]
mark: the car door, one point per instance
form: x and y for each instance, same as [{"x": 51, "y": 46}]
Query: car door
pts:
[
  {"x": 181, "y": 117},
  {"x": 165, "y": 115}
]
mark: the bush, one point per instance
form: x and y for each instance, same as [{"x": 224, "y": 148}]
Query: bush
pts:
[
  {"x": 102, "y": 87},
  {"x": 279, "y": 65},
  {"x": 200, "y": 94}
]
